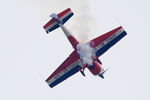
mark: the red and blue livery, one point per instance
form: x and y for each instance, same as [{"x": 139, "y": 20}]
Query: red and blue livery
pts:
[{"x": 85, "y": 55}]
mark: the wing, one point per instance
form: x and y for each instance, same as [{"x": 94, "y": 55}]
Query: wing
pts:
[
  {"x": 63, "y": 17},
  {"x": 102, "y": 43},
  {"x": 69, "y": 67}
]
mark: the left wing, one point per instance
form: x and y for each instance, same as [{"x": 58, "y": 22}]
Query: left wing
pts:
[
  {"x": 102, "y": 43},
  {"x": 69, "y": 67}
]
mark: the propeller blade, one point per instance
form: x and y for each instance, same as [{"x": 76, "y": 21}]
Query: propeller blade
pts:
[
  {"x": 104, "y": 71},
  {"x": 101, "y": 75}
]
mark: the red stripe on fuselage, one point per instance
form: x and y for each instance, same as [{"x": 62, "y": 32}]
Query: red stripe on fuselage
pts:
[{"x": 73, "y": 41}]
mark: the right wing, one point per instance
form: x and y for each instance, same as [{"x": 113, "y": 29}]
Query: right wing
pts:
[
  {"x": 69, "y": 67},
  {"x": 102, "y": 43}
]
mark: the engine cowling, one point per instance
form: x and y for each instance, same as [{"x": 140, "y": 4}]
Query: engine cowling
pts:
[{"x": 95, "y": 69}]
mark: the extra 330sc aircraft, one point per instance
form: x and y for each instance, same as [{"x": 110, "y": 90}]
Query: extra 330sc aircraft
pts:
[{"x": 84, "y": 55}]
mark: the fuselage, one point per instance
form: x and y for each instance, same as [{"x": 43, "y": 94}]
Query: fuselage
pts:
[{"x": 85, "y": 52}]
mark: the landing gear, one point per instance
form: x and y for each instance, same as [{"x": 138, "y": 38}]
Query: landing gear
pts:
[{"x": 82, "y": 73}]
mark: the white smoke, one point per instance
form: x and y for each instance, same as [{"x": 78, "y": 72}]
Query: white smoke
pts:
[
  {"x": 86, "y": 53},
  {"x": 81, "y": 23}
]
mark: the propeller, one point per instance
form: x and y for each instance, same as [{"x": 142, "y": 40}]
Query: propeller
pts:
[{"x": 102, "y": 74}]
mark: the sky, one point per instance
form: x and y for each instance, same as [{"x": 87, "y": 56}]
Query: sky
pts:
[{"x": 28, "y": 55}]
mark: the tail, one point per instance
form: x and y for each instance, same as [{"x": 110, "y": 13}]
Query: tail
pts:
[{"x": 58, "y": 19}]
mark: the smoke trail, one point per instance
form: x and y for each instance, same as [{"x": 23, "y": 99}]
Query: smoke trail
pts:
[
  {"x": 81, "y": 23},
  {"x": 81, "y": 26}
]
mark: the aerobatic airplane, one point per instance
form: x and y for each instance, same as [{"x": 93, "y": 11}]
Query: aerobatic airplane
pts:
[{"x": 85, "y": 55}]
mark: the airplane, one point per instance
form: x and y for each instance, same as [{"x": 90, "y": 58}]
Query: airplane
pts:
[{"x": 85, "y": 55}]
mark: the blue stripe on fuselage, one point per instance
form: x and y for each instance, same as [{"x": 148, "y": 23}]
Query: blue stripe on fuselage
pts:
[
  {"x": 110, "y": 44},
  {"x": 65, "y": 76}
]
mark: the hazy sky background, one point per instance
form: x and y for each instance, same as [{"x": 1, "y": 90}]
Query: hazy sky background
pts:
[{"x": 28, "y": 55}]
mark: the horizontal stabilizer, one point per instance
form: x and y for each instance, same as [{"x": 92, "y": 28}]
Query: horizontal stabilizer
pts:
[{"x": 62, "y": 17}]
